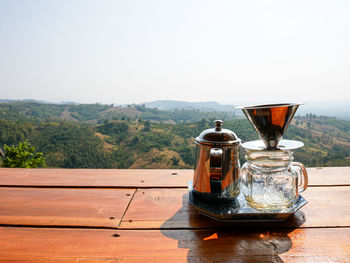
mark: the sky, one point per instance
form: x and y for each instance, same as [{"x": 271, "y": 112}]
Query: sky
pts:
[{"x": 135, "y": 51}]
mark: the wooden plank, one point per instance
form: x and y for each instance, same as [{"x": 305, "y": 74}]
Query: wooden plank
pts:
[
  {"x": 63, "y": 207},
  {"x": 328, "y": 206},
  {"x": 128, "y": 178},
  {"x": 329, "y": 176},
  {"x": 89, "y": 245},
  {"x": 169, "y": 208},
  {"x": 162, "y": 208},
  {"x": 137, "y": 178}
]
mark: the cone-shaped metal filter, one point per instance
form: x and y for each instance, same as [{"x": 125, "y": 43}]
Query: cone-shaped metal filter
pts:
[{"x": 270, "y": 121}]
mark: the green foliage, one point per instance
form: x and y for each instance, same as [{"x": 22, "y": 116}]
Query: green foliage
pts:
[
  {"x": 85, "y": 112},
  {"x": 22, "y": 156},
  {"x": 243, "y": 129},
  {"x": 147, "y": 126},
  {"x": 326, "y": 140},
  {"x": 72, "y": 145},
  {"x": 123, "y": 159},
  {"x": 175, "y": 161},
  {"x": 150, "y": 140},
  {"x": 13, "y": 132},
  {"x": 98, "y": 138},
  {"x": 183, "y": 116},
  {"x": 97, "y": 113},
  {"x": 187, "y": 154},
  {"x": 114, "y": 128}
]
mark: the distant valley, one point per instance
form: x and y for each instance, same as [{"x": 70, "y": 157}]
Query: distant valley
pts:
[
  {"x": 145, "y": 136},
  {"x": 338, "y": 109}
]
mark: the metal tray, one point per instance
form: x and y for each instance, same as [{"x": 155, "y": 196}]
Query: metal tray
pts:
[{"x": 237, "y": 210}]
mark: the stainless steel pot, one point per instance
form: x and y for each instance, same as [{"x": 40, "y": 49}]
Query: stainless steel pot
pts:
[{"x": 216, "y": 170}]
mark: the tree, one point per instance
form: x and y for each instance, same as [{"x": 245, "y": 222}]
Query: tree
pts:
[
  {"x": 175, "y": 161},
  {"x": 147, "y": 126},
  {"x": 22, "y": 156}
]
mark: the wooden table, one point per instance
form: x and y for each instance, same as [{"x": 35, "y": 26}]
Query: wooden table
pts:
[{"x": 58, "y": 215}]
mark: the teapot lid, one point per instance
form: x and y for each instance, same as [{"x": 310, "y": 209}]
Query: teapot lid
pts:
[{"x": 218, "y": 136}]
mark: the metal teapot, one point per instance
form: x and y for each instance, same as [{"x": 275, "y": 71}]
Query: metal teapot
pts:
[{"x": 216, "y": 169}]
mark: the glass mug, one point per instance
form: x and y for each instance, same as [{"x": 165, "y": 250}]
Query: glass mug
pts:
[{"x": 270, "y": 180}]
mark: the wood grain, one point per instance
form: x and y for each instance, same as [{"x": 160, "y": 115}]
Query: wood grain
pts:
[
  {"x": 95, "y": 177},
  {"x": 137, "y": 178},
  {"x": 327, "y": 176},
  {"x": 159, "y": 225},
  {"x": 88, "y": 245},
  {"x": 170, "y": 208},
  {"x": 63, "y": 207}
]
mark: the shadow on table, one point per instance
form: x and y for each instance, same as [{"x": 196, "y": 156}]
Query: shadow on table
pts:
[{"x": 212, "y": 241}]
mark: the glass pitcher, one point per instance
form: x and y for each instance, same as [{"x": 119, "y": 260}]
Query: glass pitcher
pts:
[{"x": 270, "y": 180}]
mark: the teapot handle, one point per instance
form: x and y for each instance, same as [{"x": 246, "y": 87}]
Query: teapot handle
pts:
[
  {"x": 302, "y": 176},
  {"x": 215, "y": 170}
]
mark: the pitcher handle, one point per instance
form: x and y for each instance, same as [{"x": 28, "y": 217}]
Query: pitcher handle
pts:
[
  {"x": 216, "y": 170},
  {"x": 303, "y": 177}
]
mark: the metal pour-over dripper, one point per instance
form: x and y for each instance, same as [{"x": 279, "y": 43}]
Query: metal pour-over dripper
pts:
[{"x": 270, "y": 121}]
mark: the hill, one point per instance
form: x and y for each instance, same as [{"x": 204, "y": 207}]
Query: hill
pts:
[
  {"x": 97, "y": 113},
  {"x": 104, "y": 136},
  {"x": 170, "y": 105}
]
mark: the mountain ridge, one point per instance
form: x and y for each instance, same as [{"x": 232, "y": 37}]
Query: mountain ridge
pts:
[
  {"x": 338, "y": 109},
  {"x": 202, "y": 106}
]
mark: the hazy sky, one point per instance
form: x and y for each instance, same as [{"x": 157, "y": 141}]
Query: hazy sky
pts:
[{"x": 136, "y": 51}]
